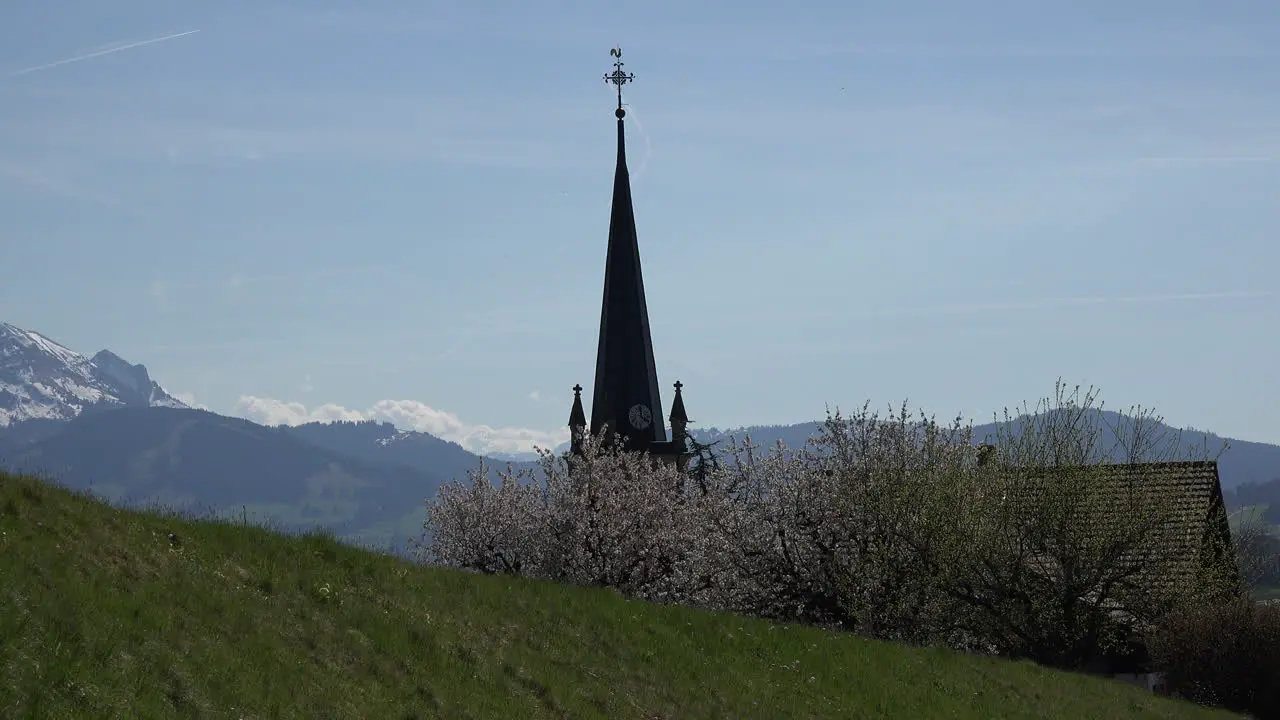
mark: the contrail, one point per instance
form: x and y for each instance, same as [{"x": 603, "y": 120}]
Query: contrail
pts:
[
  {"x": 648, "y": 144},
  {"x": 100, "y": 53}
]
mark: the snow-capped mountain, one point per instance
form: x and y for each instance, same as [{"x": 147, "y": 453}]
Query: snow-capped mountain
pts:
[{"x": 40, "y": 379}]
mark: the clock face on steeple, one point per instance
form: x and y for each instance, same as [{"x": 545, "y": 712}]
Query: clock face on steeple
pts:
[{"x": 640, "y": 416}]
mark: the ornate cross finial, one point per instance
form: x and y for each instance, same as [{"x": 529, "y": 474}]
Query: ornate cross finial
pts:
[
  {"x": 619, "y": 78},
  {"x": 678, "y": 386},
  {"x": 577, "y": 389}
]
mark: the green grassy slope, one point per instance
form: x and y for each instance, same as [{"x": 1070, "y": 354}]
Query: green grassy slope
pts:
[
  {"x": 1266, "y": 591},
  {"x": 101, "y": 616}
]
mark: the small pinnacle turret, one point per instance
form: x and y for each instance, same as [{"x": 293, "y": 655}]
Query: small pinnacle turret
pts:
[
  {"x": 679, "y": 421},
  {"x": 577, "y": 420}
]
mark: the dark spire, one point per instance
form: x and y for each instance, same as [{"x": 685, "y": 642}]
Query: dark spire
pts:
[
  {"x": 677, "y": 407},
  {"x": 679, "y": 422},
  {"x": 577, "y": 421},
  {"x": 577, "y": 418},
  {"x": 626, "y": 392}
]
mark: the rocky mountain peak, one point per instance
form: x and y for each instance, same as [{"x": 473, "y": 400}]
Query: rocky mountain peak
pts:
[{"x": 43, "y": 379}]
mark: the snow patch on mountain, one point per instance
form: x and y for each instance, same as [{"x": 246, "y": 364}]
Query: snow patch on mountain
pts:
[
  {"x": 43, "y": 380},
  {"x": 398, "y": 436}
]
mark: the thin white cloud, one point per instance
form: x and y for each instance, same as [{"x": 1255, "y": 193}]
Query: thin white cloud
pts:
[
  {"x": 115, "y": 48},
  {"x": 536, "y": 395},
  {"x": 418, "y": 21},
  {"x": 405, "y": 415},
  {"x": 974, "y": 308},
  {"x": 461, "y": 128},
  {"x": 692, "y": 41},
  {"x": 1201, "y": 160},
  {"x": 239, "y": 280},
  {"x": 223, "y": 130},
  {"x": 1184, "y": 49},
  {"x": 44, "y": 177},
  {"x": 648, "y": 144}
]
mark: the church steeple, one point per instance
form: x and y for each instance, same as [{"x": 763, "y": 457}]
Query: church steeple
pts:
[
  {"x": 626, "y": 396},
  {"x": 626, "y": 387}
]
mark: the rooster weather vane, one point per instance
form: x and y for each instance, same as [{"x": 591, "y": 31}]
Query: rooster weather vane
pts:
[{"x": 619, "y": 78}]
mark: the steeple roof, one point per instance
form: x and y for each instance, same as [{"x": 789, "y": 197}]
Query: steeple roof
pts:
[
  {"x": 577, "y": 418},
  {"x": 626, "y": 387},
  {"x": 678, "y": 415}
]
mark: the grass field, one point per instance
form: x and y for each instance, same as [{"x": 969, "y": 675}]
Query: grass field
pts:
[
  {"x": 101, "y": 615},
  {"x": 1264, "y": 592}
]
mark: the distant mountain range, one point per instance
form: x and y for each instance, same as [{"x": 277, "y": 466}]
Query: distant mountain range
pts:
[
  {"x": 104, "y": 425},
  {"x": 206, "y": 463}
]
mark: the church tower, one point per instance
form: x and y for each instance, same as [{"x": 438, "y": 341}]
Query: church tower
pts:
[{"x": 626, "y": 398}]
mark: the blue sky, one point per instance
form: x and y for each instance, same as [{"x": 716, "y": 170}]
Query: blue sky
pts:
[{"x": 399, "y": 210}]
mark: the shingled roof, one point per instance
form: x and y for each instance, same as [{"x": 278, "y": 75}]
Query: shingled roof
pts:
[{"x": 1192, "y": 527}]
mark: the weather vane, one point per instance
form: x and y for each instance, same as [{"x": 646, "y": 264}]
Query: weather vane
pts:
[{"x": 619, "y": 78}]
